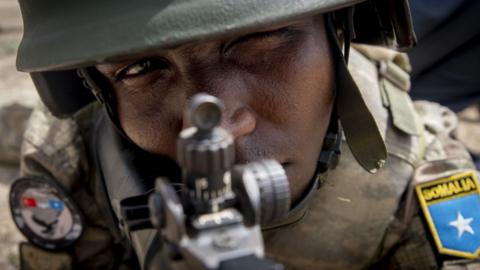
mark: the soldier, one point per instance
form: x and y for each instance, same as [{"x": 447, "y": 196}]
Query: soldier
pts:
[{"x": 280, "y": 69}]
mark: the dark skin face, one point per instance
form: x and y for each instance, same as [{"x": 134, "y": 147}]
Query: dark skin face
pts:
[{"x": 277, "y": 85}]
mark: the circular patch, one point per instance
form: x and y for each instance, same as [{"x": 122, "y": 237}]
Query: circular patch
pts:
[{"x": 45, "y": 213}]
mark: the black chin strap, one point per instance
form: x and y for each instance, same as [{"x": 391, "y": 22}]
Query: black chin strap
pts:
[
  {"x": 348, "y": 30},
  {"x": 103, "y": 92},
  {"x": 330, "y": 153}
]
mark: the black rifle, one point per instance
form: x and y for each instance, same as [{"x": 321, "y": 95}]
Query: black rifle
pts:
[{"x": 213, "y": 219}]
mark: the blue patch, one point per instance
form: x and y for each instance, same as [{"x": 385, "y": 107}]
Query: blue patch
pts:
[
  {"x": 56, "y": 204},
  {"x": 458, "y": 223},
  {"x": 452, "y": 209}
]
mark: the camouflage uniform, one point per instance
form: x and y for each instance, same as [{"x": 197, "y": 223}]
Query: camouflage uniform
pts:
[
  {"x": 354, "y": 220},
  {"x": 57, "y": 148}
]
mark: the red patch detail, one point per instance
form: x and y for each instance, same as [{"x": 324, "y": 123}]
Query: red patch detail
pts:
[{"x": 29, "y": 202}]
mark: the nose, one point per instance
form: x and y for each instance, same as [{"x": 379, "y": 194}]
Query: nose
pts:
[
  {"x": 238, "y": 116},
  {"x": 239, "y": 121}
]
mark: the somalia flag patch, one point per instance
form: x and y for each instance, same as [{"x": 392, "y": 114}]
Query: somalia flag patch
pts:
[{"x": 452, "y": 209}]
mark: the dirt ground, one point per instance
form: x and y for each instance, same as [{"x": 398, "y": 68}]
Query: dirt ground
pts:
[{"x": 17, "y": 96}]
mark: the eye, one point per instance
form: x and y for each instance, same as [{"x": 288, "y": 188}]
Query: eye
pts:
[
  {"x": 138, "y": 68},
  {"x": 276, "y": 34},
  {"x": 141, "y": 67}
]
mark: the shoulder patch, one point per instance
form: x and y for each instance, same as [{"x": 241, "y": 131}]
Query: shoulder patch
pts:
[
  {"x": 451, "y": 207},
  {"x": 44, "y": 213}
]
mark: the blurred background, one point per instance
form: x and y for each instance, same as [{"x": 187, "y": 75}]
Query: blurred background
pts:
[
  {"x": 445, "y": 62},
  {"x": 445, "y": 69},
  {"x": 17, "y": 97}
]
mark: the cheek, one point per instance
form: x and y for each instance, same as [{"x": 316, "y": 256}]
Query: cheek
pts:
[
  {"x": 297, "y": 87},
  {"x": 296, "y": 96},
  {"x": 154, "y": 124},
  {"x": 310, "y": 101}
]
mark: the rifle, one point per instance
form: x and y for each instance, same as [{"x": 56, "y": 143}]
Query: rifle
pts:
[{"x": 214, "y": 220}]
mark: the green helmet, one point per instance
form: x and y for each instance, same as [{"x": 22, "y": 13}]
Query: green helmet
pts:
[{"x": 60, "y": 37}]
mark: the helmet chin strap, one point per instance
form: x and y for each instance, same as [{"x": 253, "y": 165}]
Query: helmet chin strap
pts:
[
  {"x": 330, "y": 152},
  {"x": 349, "y": 31},
  {"x": 103, "y": 92},
  {"x": 358, "y": 124}
]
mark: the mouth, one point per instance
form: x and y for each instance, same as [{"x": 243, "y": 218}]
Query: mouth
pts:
[{"x": 286, "y": 165}]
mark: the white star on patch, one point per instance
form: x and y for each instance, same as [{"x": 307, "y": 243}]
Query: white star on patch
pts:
[{"x": 462, "y": 224}]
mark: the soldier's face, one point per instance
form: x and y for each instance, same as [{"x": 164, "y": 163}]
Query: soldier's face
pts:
[{"x": 276, "y": 84}]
